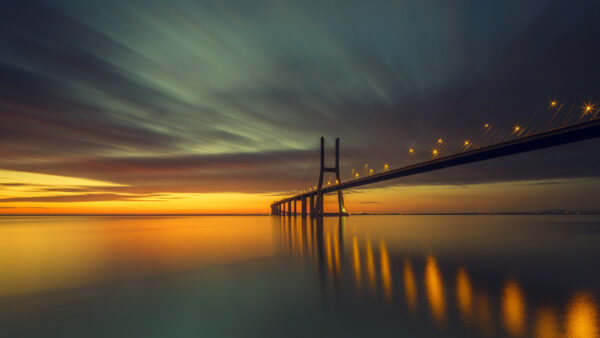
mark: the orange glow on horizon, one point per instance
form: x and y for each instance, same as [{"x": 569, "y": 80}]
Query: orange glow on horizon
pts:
[{"x": 421, "y": 198}]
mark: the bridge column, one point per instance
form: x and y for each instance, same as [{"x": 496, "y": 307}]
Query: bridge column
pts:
[
  {"x": 336, "y": 171},
  {"x": 303, "y": 206},
  {"x": 295, "y": 214},
  {"x": 342, "y": 207},
  {"x": 289, "y": 208},
  {"x": 311, "y": 205},
  {"x": 320, "y": 204}
]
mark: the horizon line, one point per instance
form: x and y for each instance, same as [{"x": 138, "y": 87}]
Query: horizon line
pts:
[{"x": 475, "y": 213}]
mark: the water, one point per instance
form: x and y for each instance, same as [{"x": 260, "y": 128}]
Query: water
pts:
[{"x": 409, "y": 276}]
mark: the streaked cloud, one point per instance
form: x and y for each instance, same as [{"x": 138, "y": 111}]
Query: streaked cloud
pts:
[{"x": 122, "y": 101}]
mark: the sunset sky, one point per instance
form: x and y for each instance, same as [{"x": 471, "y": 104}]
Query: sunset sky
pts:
[{"x": 218, "y": 106}]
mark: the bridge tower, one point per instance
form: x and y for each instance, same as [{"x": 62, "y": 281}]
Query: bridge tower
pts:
[{"x": 319, "y": 209}]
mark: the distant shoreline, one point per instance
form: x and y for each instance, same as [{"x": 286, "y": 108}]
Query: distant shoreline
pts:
[{"x": 540, "y": 213}]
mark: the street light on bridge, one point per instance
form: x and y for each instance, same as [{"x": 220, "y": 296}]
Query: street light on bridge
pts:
[{"x": 517, "y": 129}]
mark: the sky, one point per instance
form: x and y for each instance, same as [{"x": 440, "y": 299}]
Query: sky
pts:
[{"x": 218, "y": 106}]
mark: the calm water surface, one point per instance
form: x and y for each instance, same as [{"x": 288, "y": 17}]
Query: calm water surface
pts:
[{"x": 363, "y": 276}]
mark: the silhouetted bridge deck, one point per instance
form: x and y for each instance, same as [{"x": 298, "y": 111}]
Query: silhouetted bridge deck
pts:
[{"x": 546, "y": 139}]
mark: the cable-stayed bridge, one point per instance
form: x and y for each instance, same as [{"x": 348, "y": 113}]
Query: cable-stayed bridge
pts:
[
  {"x": 547, "y": 70},
  {"x": 311, "y": 202}
]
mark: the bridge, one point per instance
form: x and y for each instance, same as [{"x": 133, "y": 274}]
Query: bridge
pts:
[{"x": 312, "y": 201}]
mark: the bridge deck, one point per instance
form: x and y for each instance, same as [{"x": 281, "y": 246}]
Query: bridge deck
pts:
[{"x": 550, "y": 138}]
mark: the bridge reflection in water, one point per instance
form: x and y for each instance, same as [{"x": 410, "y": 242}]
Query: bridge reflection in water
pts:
[{"x": 360, "y": 266}]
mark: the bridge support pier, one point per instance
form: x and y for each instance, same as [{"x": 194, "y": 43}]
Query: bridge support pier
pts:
[
  {"x": 295, "y": 214},
  {"x": 311, "y": 210},
  {"x": 319, "y": 204},
  {"x": 303, "y": 206}
]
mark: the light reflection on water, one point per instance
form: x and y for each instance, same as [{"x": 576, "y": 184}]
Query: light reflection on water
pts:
[
  {"x": 507, "y": 315},
  {"x": 546, "y": 324},
  {"x": 582, "y": 316},
  {"x": 414, "y": 276},
  {"x": 513, "y": 307},
  {"x": 410, "y": 286},
  {"x": 464, "y": 294},
  {"x": 434, "y": 286}
]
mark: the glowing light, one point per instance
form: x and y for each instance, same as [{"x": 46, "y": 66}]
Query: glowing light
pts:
[
  {"x": 517, "y": 129},
  {"x": 435, "y": 289},
  {"x": 371, "y": 267},
  {"x": 329, "y": 254},
  {"x": 410, "y": 286},
  {"x": 487, "y": 125},
  {"x": 513, "y": 308},
  {"x": 466, "y": 143},
  {"x": 386, "y": 272},
  {"x": 370, "y": 171},
  {"x": 356, "y": 175},
  {"x": 588, "y": 108},
  {"x": 440, "y": 141},
  {"x": 582, "y": 316},
  {"x": 553, "y": 103},
  {"x": 546, "y": 324},
  {"x": 336, "y": 251},
  {"x": 411, "y": 151},
  {"x": 386, "y": 167},
  {"x": 464, "y": 294},
  {"x": 356, "y": 261},
  {"x": 435, "y": 152},
  {"x": 337, "y": 181}
]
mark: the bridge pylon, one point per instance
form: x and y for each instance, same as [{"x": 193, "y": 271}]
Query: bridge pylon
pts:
[{"x": 319, "y": 207}]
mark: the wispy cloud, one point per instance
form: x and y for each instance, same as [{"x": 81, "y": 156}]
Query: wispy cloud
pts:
[{"x": 199, "y": 97}]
